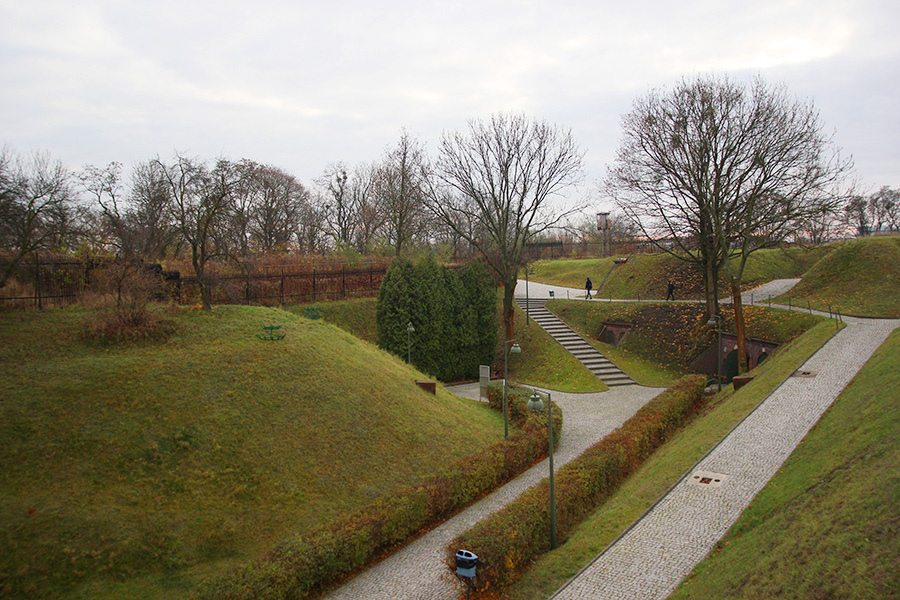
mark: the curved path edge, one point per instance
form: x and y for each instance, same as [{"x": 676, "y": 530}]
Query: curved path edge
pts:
[{"x": 418, "y": 570}]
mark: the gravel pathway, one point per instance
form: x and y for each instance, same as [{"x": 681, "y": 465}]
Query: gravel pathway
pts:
[
  {"x": 660, "y": 549},
  {"x": 418, "y": 571}
]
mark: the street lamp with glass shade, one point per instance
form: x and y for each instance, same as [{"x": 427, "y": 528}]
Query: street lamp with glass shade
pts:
[
  {"x": 409, "y": 331},
  {"x": 536, "y": 404},
  {"x": 507, "y": 350}
]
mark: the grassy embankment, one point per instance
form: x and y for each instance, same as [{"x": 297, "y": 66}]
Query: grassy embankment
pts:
[
  {"x": 135, "y": 471},
  {"x": 828, "y": 524},
  {"x": 665, "y": 337},
  {"x": 860, "y": 277},
  {"x": 645, "y": 275}
]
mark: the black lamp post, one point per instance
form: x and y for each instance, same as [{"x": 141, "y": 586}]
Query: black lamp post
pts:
[
  {"x": 717, "y": 321},
  {"x": 528, "y": 271},
  {"x": 516, "y": 349},
  {"x": 535, "y": 403},
  {"x": 409, "y": 331}
]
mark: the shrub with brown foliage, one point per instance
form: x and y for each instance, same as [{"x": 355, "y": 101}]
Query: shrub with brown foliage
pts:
[
  {"x": 509, "y": 540},
  {"x": 127, "y": 289}
]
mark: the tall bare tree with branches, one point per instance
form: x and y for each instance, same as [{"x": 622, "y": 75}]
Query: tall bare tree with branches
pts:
[
  {"x": 37, "y": 202},
  {"x": 201, "y": 200},
  {"x": 401, "y": 183},
  {"x": 499, "y": 177},
  {"x": 713, "y": 170}
]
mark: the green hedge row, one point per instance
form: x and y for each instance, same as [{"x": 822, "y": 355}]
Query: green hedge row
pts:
[
  {"x": 305, "y": 565},
  {"x": 509, "y": 540}
]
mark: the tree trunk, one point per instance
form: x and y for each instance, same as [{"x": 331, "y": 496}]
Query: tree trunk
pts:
[
  {"x": 743, "y": 364},
  {"x": 509, "y": 315},
  {"x": 199, "y": 271},
  {"x": 710, "y": 281},
  {"x": 10, "y": 267}
]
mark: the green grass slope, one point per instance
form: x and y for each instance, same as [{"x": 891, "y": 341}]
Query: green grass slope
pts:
[
  {"x": 543, "y": 362},
  {"x": 134, "y": 471},
  {"x": 859, "y": 277},
  {"x": 828, "y": 524},
  {"x": 645, "y": 275},
  {"x": 355, "y": 315}
]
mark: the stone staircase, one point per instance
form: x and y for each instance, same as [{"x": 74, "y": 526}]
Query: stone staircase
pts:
[{"x": 589, "y": 356}]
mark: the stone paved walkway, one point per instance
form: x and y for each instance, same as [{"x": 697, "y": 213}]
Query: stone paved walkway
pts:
[
  {"x": 660, "y": 549},
  {"x": 418, "y": 572}
]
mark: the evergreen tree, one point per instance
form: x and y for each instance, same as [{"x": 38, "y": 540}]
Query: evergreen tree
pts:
[{"x": 454, "y": 315}]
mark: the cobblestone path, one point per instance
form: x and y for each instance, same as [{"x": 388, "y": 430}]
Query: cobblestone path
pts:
[
  {"x": 660, "y": 549},
  {"x": 418, "y": 572}
]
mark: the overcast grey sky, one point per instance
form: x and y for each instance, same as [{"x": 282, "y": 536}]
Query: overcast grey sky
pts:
[{"x": 302, "y": 84}]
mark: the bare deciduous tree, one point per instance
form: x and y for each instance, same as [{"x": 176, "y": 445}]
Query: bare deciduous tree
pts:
[
  {"x": 105, "y": 189},
  {"x": 150, "y": 214},
  {"x": 720, "y": 171},
  {"x": 201, "y": 200},
  {"x": 402, "y": 181},
  {"x": 278, "y": 210},
  {"x": 36, "y": 206},
  {"x": 499, "y": 177},
  {"x": 884, "y": 206}
]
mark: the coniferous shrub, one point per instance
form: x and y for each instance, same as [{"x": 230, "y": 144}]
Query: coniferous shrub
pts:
[{"x": 452, "y": 312}]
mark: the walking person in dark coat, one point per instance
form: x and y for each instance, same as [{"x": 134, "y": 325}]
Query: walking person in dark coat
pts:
[
  {"x": 587, "y": 286},
  {"x": 670, "y": 291}
]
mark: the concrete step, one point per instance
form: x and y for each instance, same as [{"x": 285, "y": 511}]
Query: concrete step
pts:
[{"x": 590, "y": 357}]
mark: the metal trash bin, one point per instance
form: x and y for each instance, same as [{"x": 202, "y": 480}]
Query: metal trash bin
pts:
[{"x": 465, "y": 563}]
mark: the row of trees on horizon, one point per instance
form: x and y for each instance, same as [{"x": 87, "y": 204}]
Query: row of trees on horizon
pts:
[{"x": 710, "y": 171}]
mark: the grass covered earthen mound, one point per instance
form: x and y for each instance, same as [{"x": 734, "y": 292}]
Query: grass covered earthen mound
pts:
[{"x": 134, "y": 471}]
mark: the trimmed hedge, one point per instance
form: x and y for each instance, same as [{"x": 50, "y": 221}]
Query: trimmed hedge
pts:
[
  {"x": 310, "y": 563},
  {"x": 509, "y": 540}
]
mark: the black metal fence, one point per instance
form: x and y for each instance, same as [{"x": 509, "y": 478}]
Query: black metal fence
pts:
[
  {"x": 47, "y": 283},
  {"x": 43, "y": 283},
  {"x": 284, "y": 287}
]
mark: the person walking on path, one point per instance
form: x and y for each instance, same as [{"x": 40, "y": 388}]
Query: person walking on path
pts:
[
  {"x": 587, "y": 286},
  {"x": 670, "y": 291}
]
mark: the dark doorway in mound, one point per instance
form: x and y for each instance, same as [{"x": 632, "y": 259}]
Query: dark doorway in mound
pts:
[{"x": 612, "y": 332}]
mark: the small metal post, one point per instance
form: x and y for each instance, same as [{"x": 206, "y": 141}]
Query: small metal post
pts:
[
  {"x": 717, "y": 319},
  {"x": 527, "y": 303},
  {"x": 536, "y": 404}
]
